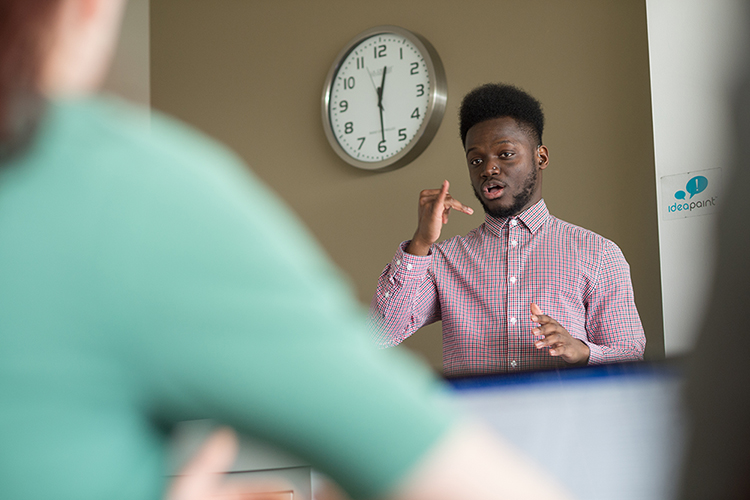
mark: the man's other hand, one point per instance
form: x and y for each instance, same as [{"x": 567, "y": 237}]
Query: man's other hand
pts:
[{"x": 557, "y": 339}]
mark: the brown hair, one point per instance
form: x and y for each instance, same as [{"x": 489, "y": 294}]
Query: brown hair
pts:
[{"x": 25, "y": 26}]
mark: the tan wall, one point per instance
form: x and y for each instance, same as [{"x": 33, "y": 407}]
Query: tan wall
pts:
[
  {"x": 251, "y": 73},
  {"x": 129, "y": 74}
]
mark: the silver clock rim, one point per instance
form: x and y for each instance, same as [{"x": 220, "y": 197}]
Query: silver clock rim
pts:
[{"x": 435, "y": 107}]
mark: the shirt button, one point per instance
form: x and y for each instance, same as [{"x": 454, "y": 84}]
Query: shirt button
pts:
[
  {"x": 398, "y": 262},
  {"x": 513, "y": 363},
  {"x": 513, "y": 222},
  {"x": 513, "y": 321},
  {"x": 513, "y": 243},
  {"x": 386, "y": 294},
  {"x": 409, "y": 266},
  {"x": 512, "y": 279}
]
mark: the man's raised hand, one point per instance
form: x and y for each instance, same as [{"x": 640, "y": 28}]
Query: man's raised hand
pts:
[{"x": 434, "y": 207}]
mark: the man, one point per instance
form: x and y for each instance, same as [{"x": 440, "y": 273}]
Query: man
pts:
[{"x": 524, "y": 290}]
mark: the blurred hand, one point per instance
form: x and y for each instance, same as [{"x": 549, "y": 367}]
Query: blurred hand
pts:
[{"x": 204, "y": 478}]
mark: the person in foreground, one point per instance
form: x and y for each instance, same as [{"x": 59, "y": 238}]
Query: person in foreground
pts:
[
  {"x": 147, "y": 278},
  {"x": 524, "y": 290}
]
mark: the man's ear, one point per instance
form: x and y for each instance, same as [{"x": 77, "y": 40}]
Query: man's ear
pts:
[{"x": 542, "y": 157}]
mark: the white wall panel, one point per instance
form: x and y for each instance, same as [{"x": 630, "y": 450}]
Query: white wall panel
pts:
[{"x": 694, "y": 46}]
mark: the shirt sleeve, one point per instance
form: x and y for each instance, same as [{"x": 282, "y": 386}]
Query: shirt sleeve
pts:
[
  {"x": 613, "y": 326},
  {"x": 232, "y": 312},
  {"x": 405, "y": 300}
]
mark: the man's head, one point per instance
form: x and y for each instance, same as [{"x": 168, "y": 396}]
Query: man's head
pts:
[
  {"x": 501, "y": 128},
  {"x": 495, "y": 100}
]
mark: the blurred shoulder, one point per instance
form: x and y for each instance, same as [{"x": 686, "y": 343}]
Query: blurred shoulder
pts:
[
  {"x": 134, "y": 131},
  {"x": 130, "y": 148}
]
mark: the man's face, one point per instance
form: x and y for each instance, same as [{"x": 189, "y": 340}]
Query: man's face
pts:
[{"x": 505, "y": 166}]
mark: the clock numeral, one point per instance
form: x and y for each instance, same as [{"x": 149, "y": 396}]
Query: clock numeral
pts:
[
  {"x": 349, "y": 83},
  {"x": 344, "y": 106},
  {"x": 349, "y": 127},
  {"x": 401, "y": 134},
  {"x": 361, "y": 142},
  {"x": 379, "y": 51},
  {"x": 401, "y": 52},
  {"x": 420, "y": 90},
  {"x": 361, "y": 62},
  {"x": 414, "y": 68},
  {"x": 415, "y": 114},
  {"x": 381, "y": 147}
]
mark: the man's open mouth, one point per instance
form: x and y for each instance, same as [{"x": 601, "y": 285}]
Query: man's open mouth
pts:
[{"x": 493, "y": 190}]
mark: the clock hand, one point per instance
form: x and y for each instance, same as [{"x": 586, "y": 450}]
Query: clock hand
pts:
[
  {"x": 380, "y": 102},
  {"x": 382, "y": 86},
  {"x": 371, "y": 80},
  {"x": 379, "y": 92},
  {"x": 382, "y": 128}
]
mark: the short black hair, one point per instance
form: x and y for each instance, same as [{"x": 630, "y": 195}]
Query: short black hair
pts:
[{"x": 497, "y": 100}]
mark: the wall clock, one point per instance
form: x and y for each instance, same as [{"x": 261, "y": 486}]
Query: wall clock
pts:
[{"x": 384, "y": 98}]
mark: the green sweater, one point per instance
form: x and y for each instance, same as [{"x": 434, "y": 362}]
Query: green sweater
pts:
[{"x": 146, "y": 277}]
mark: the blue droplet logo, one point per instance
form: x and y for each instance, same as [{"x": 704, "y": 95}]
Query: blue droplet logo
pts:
[{"x": 694, "y": 186}]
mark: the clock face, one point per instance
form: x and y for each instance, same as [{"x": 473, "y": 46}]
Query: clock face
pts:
[{"x": 383, "y": 101}]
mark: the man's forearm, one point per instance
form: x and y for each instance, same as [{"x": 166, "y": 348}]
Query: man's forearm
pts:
[{"x": 404, "y": 301}]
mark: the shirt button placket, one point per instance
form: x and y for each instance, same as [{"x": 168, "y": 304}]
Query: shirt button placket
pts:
[{"x": 513, "y": 294}]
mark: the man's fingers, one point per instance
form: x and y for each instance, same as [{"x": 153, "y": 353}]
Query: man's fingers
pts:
[
  {"x": 536, "y": 313},
  {"x": 535, "y": 310},
  {"x": 441, "y": 198},
  {"x": 542, "y": 319},
  {"x": 553, "y": 340},
  {"x": 546, "y": 339},
  {"x": 547, "y": 329},
  {"x": 453, "y": 203},
  {"x": 557, "y": 351},
  {"x": 554, "y": 337},
  {"x": 444, "y": 190},
  {"x": 538, "y": 317}
]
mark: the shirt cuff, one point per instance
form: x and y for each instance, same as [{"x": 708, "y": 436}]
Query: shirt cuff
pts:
[
  {"x": 596, "y": 354},
  {"x": 405, "y": 266}
]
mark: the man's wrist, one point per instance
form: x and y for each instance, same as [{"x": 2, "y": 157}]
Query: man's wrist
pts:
[
  {"x": 586, "y": 353},
  {"x": 418, "y": 247}
]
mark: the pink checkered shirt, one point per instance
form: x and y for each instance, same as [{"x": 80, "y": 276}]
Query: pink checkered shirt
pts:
[{"x": 481, "y": 287}]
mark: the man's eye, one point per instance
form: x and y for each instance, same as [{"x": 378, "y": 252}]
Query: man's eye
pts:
[
  {"x": 505, "y": 154},
  {"x": 475, "y": 162}
]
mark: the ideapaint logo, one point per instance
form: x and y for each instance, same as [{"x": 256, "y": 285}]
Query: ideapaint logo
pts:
[{"x": 696, "y": 185}]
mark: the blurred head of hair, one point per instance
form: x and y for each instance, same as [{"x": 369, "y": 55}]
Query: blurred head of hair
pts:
[{"x": 25, "y": 39}]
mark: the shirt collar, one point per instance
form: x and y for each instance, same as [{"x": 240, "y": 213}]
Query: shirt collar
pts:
[{"x": 533, "y": 218}]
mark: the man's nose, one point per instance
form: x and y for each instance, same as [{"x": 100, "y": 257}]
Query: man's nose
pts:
[{"x": 490, "y": 168}]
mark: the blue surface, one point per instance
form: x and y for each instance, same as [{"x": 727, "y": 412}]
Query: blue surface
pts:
[
  {"x": 672, "y": 368},
  {"x": 610, "y": 432}
]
